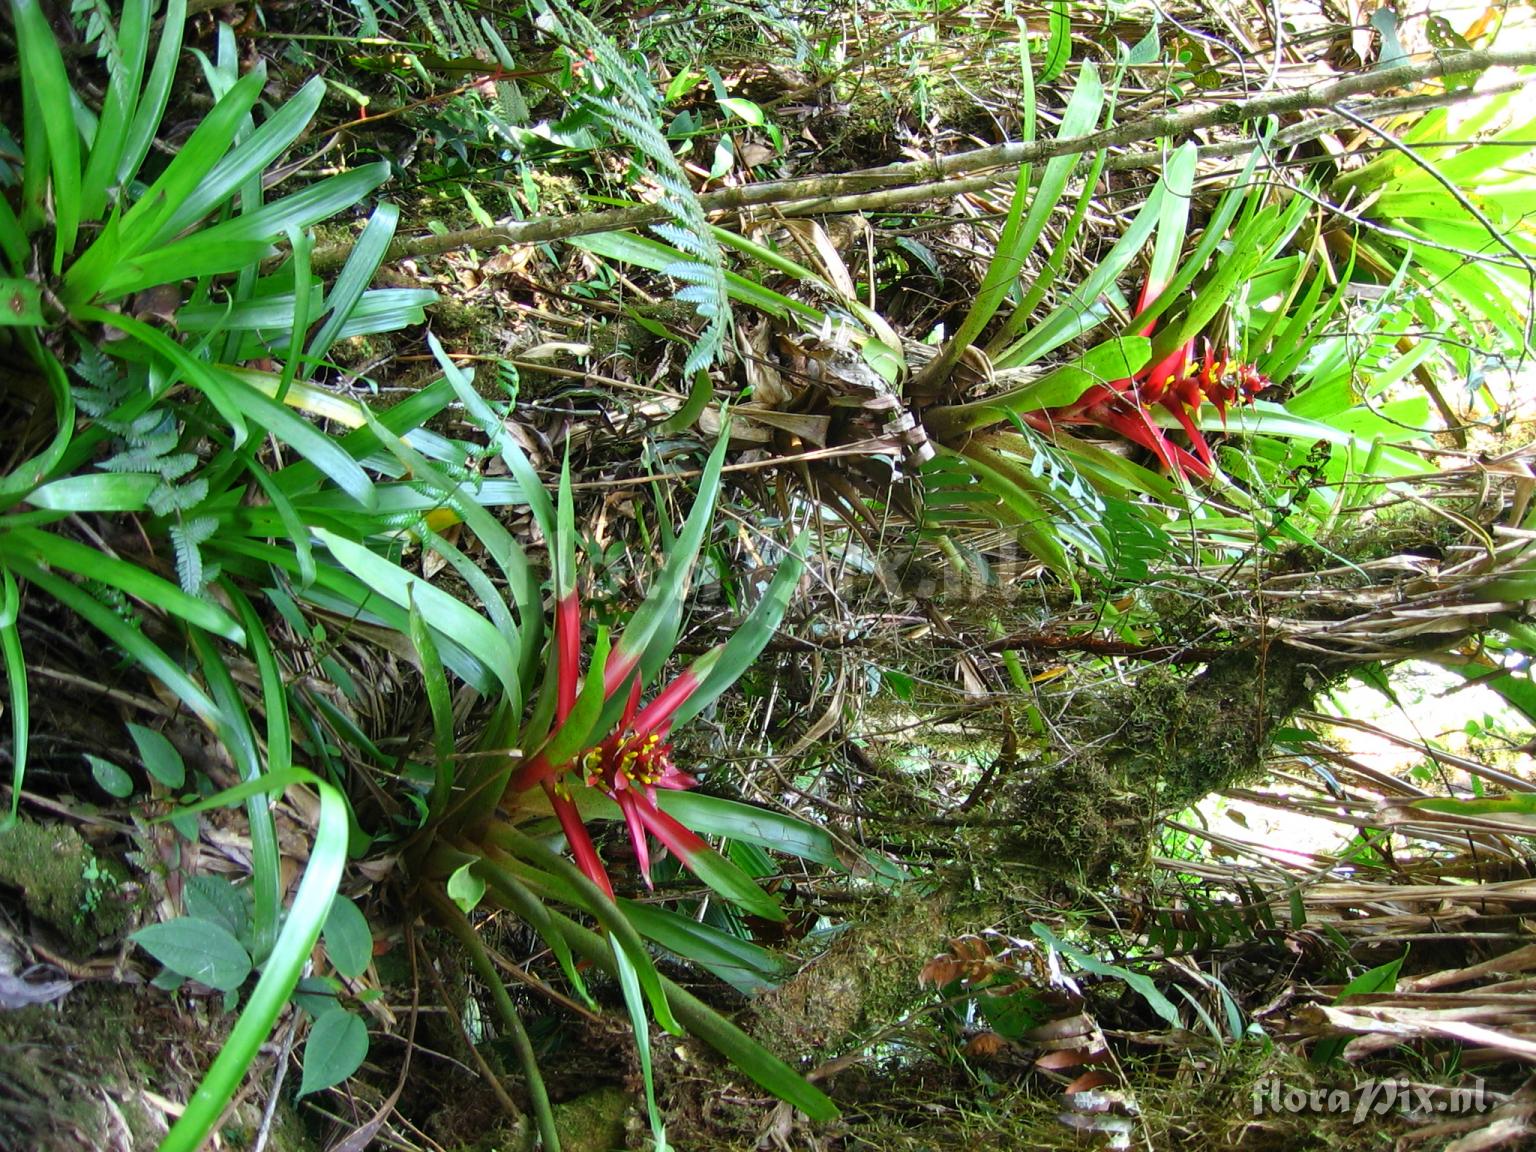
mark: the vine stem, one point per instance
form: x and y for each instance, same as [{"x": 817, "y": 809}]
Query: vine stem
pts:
[{"x": 922, "y": 179}]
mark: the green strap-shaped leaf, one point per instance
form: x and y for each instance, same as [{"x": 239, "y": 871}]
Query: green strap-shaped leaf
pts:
[
  {"x": 448, "y": 615},
  {"x": 46, "y": 93},
  {"x": 250, "y": 157},
  {"x": 1020, "y": 232},
  {"x": 15, "y": 666},
  {"x": 279, "y": 975},
  {"x": 543, "y": 869},
  {"x": 671, "y": 583},
  {"x": 747, "y": 642},
  {"x": 194, "y": 162},
  {"x": 132, "y": 579},
  {"x": 125, "y": 75},
  {"x": 715, "y": 1030},
  {"x": 351, "y": 284},
  {"x": 150, "y": 108}
]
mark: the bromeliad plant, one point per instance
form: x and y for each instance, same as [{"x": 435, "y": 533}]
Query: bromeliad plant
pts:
[
  {"x": 627, "y": 759},
  {"x": 576, "y": 749}
]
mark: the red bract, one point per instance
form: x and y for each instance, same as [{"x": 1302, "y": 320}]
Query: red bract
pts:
[
  {"x": 1181, "y": 382},
  {"x": 628, "y": 765}
]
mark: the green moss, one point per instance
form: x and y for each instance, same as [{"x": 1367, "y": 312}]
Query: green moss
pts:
[
  {"x": 594, "y": 1122},
  {"x": 1156, "y": 746},
  {"x": 1076, "y": 820},
  {"x": 62, "y": 882},
  {"x": 71, "y": 1078},
  {"x": 863, "y": 981}
]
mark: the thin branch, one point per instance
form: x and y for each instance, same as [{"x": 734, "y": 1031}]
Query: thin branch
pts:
[{"x": 817, "y": 193}]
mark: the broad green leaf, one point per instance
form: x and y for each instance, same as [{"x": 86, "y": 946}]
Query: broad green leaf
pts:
[
  {"x": 1267, "y": 419},
  {"x": 1138, "y": 981},
  {"x": 1081, "y": 310},
  {"x": 525, "y": 590},
  {"x": 1031, "y": 520},
  {"x": 544, "y": 870},
  {"x": 307, "y": 440},
  {"x": 730, "y": 882},
  {"x": 644, "y": 252},
  {"x": 212, "y": 898},
  {"x": 1244, "y": 192},
  {"x": 1382, "y": 978},
  {"x": 717, "y": 816},
  {"x": 197, "y": 949},
  {"x": 745, "y": 109},
  {"x": 1116, "y": 359},
  {"x": 300, "y": 243},
  {"x": 465, "y": 887},
  {"x": 348, "y": 939},
  {"x": 159, "y": 756},
  {"x": 230, "y": 245},
  {"x": 336, "y": 1048}
]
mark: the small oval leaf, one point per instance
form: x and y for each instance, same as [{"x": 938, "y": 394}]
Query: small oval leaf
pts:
[
  {"x": 113, "y": 780},
  {"x": 161, "y": 760},
  {"x": 337, "y": 1046},
  {"x": 348, "y": 939}
]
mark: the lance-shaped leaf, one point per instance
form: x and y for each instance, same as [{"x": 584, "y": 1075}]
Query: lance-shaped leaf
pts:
[
  {"x": 749, "y": 640},
  {"x": 48, "y": 107},
  {"x": 672, "y": 582}
]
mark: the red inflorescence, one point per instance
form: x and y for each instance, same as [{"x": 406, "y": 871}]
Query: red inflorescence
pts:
[{"x": 1181, "y": 383}]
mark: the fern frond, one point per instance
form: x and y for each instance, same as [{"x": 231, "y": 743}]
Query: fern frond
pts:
[
  {"x": 624, "y": 99},
  {"x": 186, "y": 538}
]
